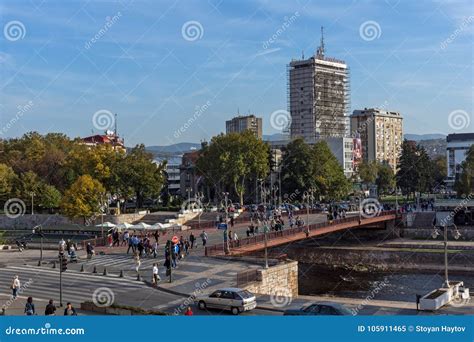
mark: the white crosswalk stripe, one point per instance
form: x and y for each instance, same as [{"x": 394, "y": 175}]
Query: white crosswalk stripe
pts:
[
  {"x": 77, "y": 287},
  {"x": 120, "y": 262}
]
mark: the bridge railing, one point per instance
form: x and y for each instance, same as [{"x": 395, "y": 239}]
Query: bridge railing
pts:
[{"x": 260, "y": 238}]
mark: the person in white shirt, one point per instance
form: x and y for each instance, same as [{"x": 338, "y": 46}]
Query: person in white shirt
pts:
[
  {"x": 15, "y": 286},
  {"x": 156, "y": 276}
]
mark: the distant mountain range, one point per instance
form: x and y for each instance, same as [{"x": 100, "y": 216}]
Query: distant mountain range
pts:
[
  {"x": 173, "y": 149},
  {"x": 435, "y": 144},
  {"x": 420, "y": 137}
]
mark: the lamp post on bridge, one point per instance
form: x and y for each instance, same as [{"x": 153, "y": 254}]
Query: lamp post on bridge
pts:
[{"x": 456, "y": 235}]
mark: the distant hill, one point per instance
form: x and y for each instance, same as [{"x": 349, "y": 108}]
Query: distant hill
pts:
[
  {"x": 434, "y": 147},
  {"x": 275, "y": 137},
  {"x": 174, "y": 149},
  {"x": 420, "y": 137}
]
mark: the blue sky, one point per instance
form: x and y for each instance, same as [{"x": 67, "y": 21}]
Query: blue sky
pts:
[{"x": 420, "y": 62}]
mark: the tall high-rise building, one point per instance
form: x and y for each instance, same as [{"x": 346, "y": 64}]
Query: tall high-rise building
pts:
[
  {"x": 319, "y": 96},
  {"x": 240, "y": 124},
  {"x": 380, "y": 133}
]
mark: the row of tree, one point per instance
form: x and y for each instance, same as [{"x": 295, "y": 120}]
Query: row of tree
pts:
[
  {"x": 236, "y": 163},
  {"x": 63, "y": 172}
]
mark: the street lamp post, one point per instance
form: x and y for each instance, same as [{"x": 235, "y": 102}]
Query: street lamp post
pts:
[
  {"x": 199, "y": 198},
  {"x": 456, "y": 236},
  {"x": 265, "y": 231},
  {"x": 226, "y": 236},
  {"x": 32, "y": 204},
  {"x": 306, "y": 195}
]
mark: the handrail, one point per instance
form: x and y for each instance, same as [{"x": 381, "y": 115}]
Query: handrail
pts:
[{"x": 253, "y": 240}]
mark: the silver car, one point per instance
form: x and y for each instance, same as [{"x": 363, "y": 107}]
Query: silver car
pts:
[{"x": 234, "y": 299}]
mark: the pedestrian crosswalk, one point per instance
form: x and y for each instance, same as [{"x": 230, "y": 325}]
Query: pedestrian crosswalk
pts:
[
  {"x": 77, "y": 287},
  {"x": 120, "y": 262}
]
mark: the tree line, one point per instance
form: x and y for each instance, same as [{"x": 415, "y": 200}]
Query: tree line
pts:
[{"x": 64, "y": 173}]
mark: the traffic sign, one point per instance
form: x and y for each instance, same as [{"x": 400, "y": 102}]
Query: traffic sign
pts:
[{"x": 222, "y": 226}]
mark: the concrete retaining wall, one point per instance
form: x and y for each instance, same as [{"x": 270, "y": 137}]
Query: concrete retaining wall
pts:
[
  {"x": 279, "y": 280},
  {"x": 29, "y": 221},
  {"x": 375, "y": 259}
]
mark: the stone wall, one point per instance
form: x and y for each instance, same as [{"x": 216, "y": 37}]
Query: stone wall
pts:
[
  {"x": 362, "y": 259},
  {"x": 27, "y": 222},
  {"x": 281, "y": 280}
]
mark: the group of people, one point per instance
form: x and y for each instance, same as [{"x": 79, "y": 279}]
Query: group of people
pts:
[
  {"x": 30, "y": 308},
  {"x": 50, "y": 309},
  {"x": 69, "y": 247}
]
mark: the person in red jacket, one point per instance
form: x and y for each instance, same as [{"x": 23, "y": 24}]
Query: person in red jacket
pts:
[{"x": 189, "y": 311}]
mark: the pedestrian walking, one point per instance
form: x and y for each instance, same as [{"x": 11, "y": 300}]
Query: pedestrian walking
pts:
[
  {"x": 69, "y": 310},
  {"x": 137, "y": 261},
  {"x": 50, "y": 308},
  {"x": 192, "y": 238},
  {"x": 30, "y": 307},
  {"x": 156, "y": 276},
  {"x": 89, "y": 250},
  {"x": 15, "y": 286},
  {"x": 204, "y": 238}
]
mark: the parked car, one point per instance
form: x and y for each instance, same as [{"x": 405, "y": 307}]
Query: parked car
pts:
[
  {"x": 234, "y": 299},
  {"x": 319, "y": 309}
]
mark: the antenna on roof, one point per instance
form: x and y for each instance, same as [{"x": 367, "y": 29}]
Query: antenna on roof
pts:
[
  {"x": 115, "y": 125},
  {"x": 320, "y": 51},
  {"x": 302, "y": 54}
]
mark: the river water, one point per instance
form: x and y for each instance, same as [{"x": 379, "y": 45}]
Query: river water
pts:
[{"x": 398, "y": 286}]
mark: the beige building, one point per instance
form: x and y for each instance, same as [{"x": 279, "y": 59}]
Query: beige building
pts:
[
  {"x": 380, "y": 133},
  {"x": 240, "y": 124}
]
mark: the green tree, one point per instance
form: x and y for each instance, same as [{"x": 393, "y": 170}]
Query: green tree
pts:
[
  {"x": 140, "y": 175},
  {"x": 439, "y": 170},
  {"x": 84, "y": 198},
  {"x": 296, "y": 168},
  {"x": 7, "y": 180},
  {"x": 230, "y": 160},
  {"x": 50, "y": 197},
  {"x": 368, "y": 172},
  {"x": 385, "y": 179},
  {"x": 327, "y": 174},
  {"x": 407, "y": 175}
]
